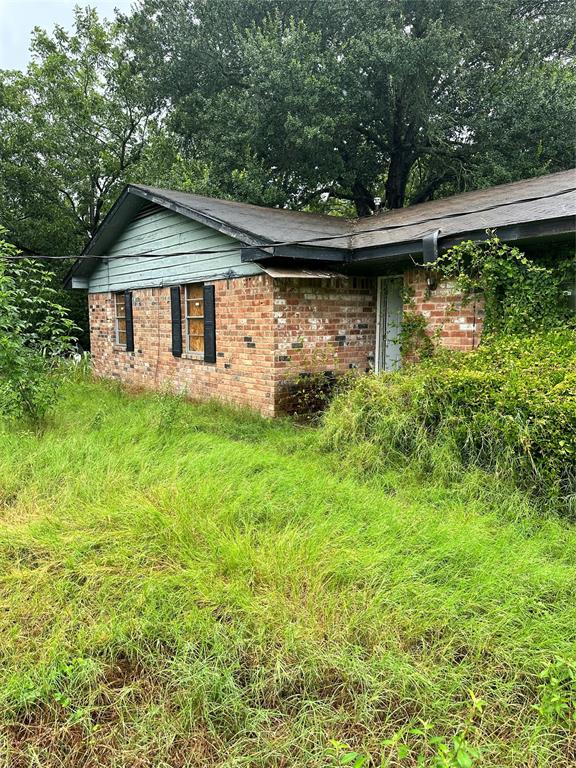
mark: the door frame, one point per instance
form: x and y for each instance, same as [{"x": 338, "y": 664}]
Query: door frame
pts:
[{"x": 380, "y": 348}]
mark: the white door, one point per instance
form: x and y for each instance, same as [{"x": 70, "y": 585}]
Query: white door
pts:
[{"x": 389, "y": 323}]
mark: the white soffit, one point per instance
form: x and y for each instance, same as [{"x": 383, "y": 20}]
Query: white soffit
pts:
[{"x": 301, "y": 273}]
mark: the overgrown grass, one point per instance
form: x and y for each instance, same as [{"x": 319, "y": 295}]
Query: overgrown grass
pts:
[
  {"x": 186, "y": 585},
  {"x": 508, "y": 409}
]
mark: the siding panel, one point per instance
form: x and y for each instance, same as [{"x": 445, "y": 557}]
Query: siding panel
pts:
[{"x": 162, "y": 234}]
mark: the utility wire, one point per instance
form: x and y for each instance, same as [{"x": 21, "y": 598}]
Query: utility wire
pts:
[{"x": 308, "y": 241}]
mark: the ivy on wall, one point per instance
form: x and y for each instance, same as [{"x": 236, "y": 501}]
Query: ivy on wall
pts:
[
  {"x": 415, "y": 342},
  {"x": 520, "y": 294}
]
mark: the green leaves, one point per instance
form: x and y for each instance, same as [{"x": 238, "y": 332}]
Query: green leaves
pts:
[
  {"x": 417, "y": 742},
  {"x": 343, "y": 755},
  {"x": 508, "y": 408},
  {"x": 35, "y": 332},
  {"x": 76, "y": 124},
  {"x": 405, "y": 100},
  {"x": 72, "y": 131},
  {"x": 557, "y": 693},
  {"x": 520, "y": 294}
]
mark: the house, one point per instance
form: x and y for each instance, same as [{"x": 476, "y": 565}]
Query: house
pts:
[{"x": 221, "y": 299}]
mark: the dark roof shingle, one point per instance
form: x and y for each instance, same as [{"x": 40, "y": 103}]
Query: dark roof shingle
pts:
[
  {"x": 266, "y": 224},
  {"x": 538, "y": 199}
]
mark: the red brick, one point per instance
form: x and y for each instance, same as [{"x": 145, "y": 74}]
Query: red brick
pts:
[
  {"x": 444, "y": 311},
  {"x": 275, "y": 313}
]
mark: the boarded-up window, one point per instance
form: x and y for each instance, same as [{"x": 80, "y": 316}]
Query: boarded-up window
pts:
[
  {"x": 120, "y": 318},
  {"x": 194, "y": 317}
]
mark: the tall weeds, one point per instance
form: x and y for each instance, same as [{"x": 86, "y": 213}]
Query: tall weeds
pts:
[
  {"x": 188, "y": 586},
  {"x": 508, "y": 408}
]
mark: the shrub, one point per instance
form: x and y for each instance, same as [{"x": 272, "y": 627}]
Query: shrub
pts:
[
  {"x": 308, "y": 394},
  {"x": 35, "y": 333},
  {"x": 508, "y": 407}
]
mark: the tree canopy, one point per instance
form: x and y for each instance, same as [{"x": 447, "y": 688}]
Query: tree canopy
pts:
[
  {"x": 404, "y": 99},
  {"x": 72, "y": 129},
  {"x": 321, "y": 104}
]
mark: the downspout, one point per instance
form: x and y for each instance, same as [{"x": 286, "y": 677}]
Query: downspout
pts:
[
  {"x": 430, "y": 255},
  {"x": 430, "y": 246}
]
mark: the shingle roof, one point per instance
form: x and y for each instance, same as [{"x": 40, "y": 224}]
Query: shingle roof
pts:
[
  {"x": 538, "y": 199},
  {"x": 265, "y": 224},
  {"x": 546, "y": 203}
]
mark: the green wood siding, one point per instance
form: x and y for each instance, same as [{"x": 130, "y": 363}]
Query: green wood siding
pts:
[{"x": 165, "y": 232}]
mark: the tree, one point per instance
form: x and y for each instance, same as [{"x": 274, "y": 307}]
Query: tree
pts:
[
  {"x": 80, "y": 117},
  {"x": 30, "y": 204},
  {"x": 72, "y": 131},
  {"x": 35, "y": 332},
  {"x": 403, "y": 99}
]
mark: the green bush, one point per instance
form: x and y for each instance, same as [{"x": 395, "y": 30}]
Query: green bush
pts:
[
  {"x": 521, "y": 294},
  {"x": 508, "y": 407},
  {"x": 35, "y": 333}
]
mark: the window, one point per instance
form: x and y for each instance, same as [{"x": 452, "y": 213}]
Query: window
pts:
[
  {"x": 194, "y": 317},
  {"x": 120, "y": 318}
]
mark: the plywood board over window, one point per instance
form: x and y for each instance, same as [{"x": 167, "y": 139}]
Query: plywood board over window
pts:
[
  {"x": 120, "y": 318},
  {"x": 194, "y": 318}
]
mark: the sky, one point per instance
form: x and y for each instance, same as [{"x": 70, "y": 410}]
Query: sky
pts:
[{"x": 19, "y": 17}]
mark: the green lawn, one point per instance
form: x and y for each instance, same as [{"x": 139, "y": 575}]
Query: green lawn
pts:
[{"x": 185, "y": 585}]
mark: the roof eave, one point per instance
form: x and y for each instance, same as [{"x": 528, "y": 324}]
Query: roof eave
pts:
[
  {"x": 191, "y": 213},
  {"x": 305, "y": 252},
  {"x": 254, "y": 247},
  {"x": 525, "y": 231},
  {"x": 120, "y": 214}
]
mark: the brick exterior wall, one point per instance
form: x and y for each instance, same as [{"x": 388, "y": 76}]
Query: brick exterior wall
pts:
[
  {"x": 322, "y": 325},
  {"x": 450, "y": 322},
  {"x": 267, "y": 331},
  {"x": 244, "y": 370}
]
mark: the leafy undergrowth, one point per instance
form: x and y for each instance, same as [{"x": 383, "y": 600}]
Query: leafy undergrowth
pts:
[
  {"x": 508, "y": 408},
  {"x": 186, "y": 585}
]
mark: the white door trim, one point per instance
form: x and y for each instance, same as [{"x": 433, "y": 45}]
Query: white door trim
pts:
[
  {"x": 380, "y": 318},
  {"x": 378, "y": 353}
]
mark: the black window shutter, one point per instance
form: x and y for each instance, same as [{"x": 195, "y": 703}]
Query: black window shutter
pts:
[
  {"x": 129, "y": 321},
  {"x": 209, "y": 324},
  {"x": 176, "y": 321}
]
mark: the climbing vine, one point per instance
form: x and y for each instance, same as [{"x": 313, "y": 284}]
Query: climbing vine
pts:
[
  {"x": 520, "y": 294},
  {"x": 415, "y": 342}
]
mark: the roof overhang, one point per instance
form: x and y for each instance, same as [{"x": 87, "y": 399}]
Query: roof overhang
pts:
[
  {"x": 295, "y": 272},
  {"x": 538, "y": 217},
  {"x": 420, "y": 251},
  {"x": 210, "y": 221},
  {"x": 303, "y": 252},
  {"x": 124, "y": 209},
  {"x": 528, "y": 231}
]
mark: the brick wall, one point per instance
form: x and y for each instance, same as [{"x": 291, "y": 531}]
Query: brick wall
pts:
[
  {"x": 455, "y": 325},
  {"x": 244, "y": 370},
  {"x": 266, "y": 331},
  {"x": 322, "y": 325}
]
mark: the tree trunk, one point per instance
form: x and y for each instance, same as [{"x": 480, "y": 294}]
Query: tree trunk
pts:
[
  {"x": 362, "y": 198},
  {"x": 398, "y": 172},
  {"x": 426, "y": 192}
]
